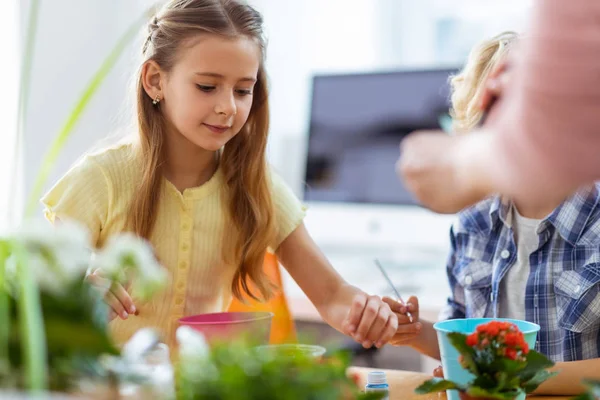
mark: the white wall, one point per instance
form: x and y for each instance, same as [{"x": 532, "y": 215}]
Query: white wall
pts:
[
  {"x": 9, "y": 192},
  {"x": 73, "y": 39}
]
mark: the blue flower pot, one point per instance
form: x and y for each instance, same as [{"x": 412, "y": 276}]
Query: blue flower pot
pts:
[{"x": 452, "y": 369}]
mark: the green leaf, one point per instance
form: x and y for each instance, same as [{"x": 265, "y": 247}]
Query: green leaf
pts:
[
  {"x": 29, "y": 307},
  {"x": 485, "y": 381},
  {"x": 510, "y": 367},
  {"x": 535, "y": 362},
  {"x": 539, "y": 378},
  {"x": 437, "y": 385},
  {"x": 31, "y": 324},
  {"x": 459, "y": 341}
]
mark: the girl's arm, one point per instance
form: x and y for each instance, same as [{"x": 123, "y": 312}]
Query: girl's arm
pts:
[
  {"x": 570, "y": 374},
  {"x": 346, "y": 308}
]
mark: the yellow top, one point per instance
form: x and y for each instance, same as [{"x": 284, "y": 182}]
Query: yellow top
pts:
[{"x": 187, "y": 237}]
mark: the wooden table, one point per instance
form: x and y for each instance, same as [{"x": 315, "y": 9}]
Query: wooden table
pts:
[{"x": 403, "y": 384}]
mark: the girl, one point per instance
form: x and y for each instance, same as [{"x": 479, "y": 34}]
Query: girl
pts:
[{"x": 197, "y": 186}]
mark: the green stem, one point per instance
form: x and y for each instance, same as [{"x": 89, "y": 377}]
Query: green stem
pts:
[
  {"x": 4, "y": 313},
  {"x": 31, "y": 324},
  {"x": 67, "y": 129}
]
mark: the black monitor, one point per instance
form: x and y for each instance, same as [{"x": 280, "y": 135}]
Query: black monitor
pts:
[{"x": 357, "y": 122}]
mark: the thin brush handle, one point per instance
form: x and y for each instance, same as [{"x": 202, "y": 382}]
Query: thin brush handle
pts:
[{"x": 393, "y": 287}]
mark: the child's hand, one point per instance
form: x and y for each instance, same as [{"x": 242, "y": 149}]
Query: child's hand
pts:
[
  {"x": 115, "y": 296},
  {"x": 370, "y": 321},
  {"x": 407, "y": 331}
]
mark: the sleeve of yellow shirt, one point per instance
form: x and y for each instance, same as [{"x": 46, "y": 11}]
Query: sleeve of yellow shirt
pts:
[
  {"x": 289, "y": 211},
  {"x": 81, "y": 195}
]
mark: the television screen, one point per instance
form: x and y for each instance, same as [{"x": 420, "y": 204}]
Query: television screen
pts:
[{"x": 357, "y": 122}]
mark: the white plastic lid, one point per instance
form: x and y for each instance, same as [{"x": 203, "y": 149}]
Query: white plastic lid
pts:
[{"x": 376, "y": 378}]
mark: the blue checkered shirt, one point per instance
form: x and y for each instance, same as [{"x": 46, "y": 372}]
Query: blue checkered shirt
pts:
[{"x": 563, "y": 288}]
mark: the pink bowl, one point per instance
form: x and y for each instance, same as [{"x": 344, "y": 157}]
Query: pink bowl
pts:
[{"x": 225, "y": 326}]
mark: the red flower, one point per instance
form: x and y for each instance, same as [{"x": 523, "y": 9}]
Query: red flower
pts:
[
  {"x": 472, "y": 339},
  {"x": 511, "y": 353},
  {"x": 504, "y": 338},
  {"x": 489, "y": 329},
  {"x": 513, "y": 339}
]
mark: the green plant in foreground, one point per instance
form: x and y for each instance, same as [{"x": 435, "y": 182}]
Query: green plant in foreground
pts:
[
  {"x": 237, "y": 371},
  {"x": 29, "y": 308}
]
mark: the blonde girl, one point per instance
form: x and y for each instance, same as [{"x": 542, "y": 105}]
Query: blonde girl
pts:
[{"x": 196, "y": 184}]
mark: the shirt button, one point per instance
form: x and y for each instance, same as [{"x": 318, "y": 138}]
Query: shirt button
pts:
[
  {"x": 183, "y": 265},
  {"x": 577, "y": 289},
  {"x": 186, "y": 226},
  {"x": 505, "y": 254},
  {"x": 185, "y": 247},
  {"x": 180, "y": 285},
  {"x": 179, "y": 301},
  {"x": 468, "y": 280}
]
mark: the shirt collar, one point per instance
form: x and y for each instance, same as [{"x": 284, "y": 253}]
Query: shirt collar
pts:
[{"x": 570, "y": 218}]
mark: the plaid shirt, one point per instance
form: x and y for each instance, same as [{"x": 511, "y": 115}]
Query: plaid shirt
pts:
[{"x": 563, "y": 288}]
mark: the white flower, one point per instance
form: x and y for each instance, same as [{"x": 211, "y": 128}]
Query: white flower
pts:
[
  {"x": 127, "y": 257},
  {"x": 191, "y": 342},
  {"x": 56, "y": 256}
]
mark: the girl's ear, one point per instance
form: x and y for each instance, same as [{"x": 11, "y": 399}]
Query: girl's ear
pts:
[{"x": 152, "y": 79}]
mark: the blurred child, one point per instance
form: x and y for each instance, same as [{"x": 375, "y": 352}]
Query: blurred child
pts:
[{"x": 539, "y": 262}]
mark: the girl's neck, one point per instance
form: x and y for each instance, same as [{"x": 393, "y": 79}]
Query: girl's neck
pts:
[{"x": 187, "y": 165}]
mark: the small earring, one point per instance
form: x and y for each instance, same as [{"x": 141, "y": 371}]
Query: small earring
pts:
[{"x": 156, "y": 99}]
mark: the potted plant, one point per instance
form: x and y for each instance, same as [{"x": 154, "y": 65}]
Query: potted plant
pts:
[
  {"x": 72, "y": 316},
  {"x": 501, "y": 361}
]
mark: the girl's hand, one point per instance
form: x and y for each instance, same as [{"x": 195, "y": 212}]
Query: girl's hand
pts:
[
  {"x": 407, "y": 331},
  {"x": 370, "y": 321},
  {"x": 115, "y": 296}
]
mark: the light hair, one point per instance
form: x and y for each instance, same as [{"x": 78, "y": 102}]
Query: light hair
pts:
[
  {"x": 252, "y": 228},
  {"x": 468, "y": 85}
]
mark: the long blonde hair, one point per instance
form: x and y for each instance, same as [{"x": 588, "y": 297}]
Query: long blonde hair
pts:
[
  {"x": 242, "y": 160},
  {"x": 467, "y": 86}
]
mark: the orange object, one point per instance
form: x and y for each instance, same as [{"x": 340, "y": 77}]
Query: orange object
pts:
[{"x": 282, "y": 327}]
